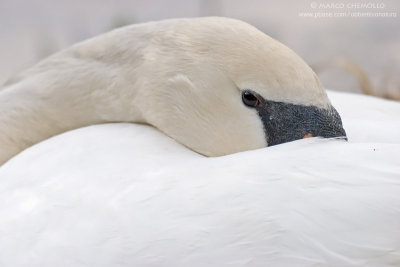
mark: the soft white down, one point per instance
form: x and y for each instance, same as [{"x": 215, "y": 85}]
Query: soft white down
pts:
[{"x": 127, "y": 195}]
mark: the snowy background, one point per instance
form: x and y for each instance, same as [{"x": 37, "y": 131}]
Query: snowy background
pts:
[{"x": 33, "y": 29}]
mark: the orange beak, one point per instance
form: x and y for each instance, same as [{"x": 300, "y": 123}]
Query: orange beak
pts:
[{"x": 307, "y": 136}]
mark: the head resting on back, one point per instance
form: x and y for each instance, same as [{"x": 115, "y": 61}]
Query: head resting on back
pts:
[
  {"x": 216, "y": 85},
  {"x": 220, "y": 86}
]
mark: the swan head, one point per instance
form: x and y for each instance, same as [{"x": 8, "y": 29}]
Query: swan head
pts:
[{"x": 222, "y": 86}]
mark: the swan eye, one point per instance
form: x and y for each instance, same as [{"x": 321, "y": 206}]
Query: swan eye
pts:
[{"x": 250, "y": 99}]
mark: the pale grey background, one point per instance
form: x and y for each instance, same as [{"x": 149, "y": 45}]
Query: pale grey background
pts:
[{"x": 33, "y": 29}]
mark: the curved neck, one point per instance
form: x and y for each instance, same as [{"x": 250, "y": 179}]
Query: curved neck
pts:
[{"x": 64, "y": 92}]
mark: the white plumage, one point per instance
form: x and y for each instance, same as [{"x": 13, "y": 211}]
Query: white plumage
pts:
[{"x": 127, "y": 195}]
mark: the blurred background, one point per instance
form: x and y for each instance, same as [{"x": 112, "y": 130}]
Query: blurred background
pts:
[{"x": 352, "y": 45}]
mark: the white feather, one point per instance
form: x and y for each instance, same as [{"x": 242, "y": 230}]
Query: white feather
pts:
[{"x": 127, "y": 195}]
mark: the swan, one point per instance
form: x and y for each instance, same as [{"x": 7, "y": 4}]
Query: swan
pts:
[
  {"x": 216, "y": 85},
  {"x": 123, "y": 194}
]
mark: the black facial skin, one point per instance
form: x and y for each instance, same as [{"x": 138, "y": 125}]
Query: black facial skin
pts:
[{"x": 285, "y": 122}]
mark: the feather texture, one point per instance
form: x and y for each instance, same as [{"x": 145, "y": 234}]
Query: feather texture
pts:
[{"x": 127, "y": 195}]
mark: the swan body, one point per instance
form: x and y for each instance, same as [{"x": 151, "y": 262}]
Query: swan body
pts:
[
  {"x": 127, "y": 195},
  {"x": 182, "y": 76}
]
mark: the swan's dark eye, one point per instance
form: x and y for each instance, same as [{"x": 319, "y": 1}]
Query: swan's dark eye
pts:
[{"x": 249, "y": 99}]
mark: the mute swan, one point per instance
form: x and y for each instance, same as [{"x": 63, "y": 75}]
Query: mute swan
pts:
[
  {"x": 128, "y": 195},
  {"x": 216, "y": 85}
]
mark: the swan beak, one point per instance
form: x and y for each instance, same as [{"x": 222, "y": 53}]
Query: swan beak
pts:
[{"x": 285, "y": 122}]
